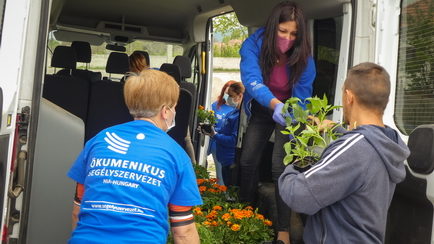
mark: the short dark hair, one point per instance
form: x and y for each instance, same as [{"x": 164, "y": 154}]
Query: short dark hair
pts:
[{"x": 371, "y": 85}]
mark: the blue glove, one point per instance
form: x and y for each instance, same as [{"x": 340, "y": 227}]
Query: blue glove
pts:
[{"x": 278, "y": 117}]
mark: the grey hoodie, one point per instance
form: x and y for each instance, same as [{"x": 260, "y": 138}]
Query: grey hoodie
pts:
[{"x": 348, "y": 192}]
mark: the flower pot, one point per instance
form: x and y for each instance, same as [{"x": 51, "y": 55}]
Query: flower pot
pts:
[
  {"x": 207, "y": 128},
  {"x": 305, "y": 164}
]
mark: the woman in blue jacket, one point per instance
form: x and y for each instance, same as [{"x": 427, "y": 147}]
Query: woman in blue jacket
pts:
[
  {"x": 226, "y": 137},
  {"x": 276, "y": 64},
  {"x": 220, "y": 108}
]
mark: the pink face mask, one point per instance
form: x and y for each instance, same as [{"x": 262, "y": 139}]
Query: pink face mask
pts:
[{"x": 284, "y": 44}]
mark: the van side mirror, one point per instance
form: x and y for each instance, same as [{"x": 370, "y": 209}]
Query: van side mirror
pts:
[{"x": 421, "y": 144}]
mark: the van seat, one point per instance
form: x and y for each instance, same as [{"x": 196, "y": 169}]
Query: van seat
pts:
[
  {"x": 106, "y": 107},
  {"x": 117, "y": 63},
  {"x": 64, "y": 57},
  {"x": 172, "y": 70},
  {"x": 68, "y": 92},
  {"x": 84, "y": 55}
]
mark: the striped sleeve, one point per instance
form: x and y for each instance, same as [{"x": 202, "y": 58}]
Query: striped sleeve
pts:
[
  {"x": 334, "y": 154},
  {"x": 334, "y": 177},
  {"x": 180, "y": 215}
]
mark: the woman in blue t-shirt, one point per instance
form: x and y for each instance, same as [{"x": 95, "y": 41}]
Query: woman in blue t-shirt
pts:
[
  {"x": 220, "y": 108},
  {"x": 133, "y": 176}
]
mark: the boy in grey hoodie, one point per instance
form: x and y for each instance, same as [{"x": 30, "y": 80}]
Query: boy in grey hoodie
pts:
[{"x": 348, "y": 191}]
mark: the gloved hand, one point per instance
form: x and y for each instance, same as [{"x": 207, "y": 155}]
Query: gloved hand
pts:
[{"x": 278, "y": 116}]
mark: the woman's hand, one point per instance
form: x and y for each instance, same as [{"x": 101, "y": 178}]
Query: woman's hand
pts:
[
  {"x": 278, "y": 116},
  {"x": 210, "y": 133}
]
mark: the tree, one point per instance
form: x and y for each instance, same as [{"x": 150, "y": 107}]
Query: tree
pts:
[{"x": 229, "y": 27}]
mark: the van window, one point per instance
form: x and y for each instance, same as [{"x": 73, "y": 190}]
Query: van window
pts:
[
  {"x": 228, "y": 36},
  {"x": 159, "y": 53},
  {"x": 326, "y": 48},
  {"x": 415, "y": 76}
]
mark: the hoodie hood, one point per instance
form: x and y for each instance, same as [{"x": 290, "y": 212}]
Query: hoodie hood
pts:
[{"x": 389, "y": 146}]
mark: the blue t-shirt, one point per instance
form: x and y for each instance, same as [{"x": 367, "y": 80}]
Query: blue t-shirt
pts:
[{"x": 131, "y": 172}]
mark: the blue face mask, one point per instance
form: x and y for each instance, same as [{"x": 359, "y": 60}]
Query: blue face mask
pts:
[
  {"x": 226, "y": 97},
  {"x": 231, "y": 102}
]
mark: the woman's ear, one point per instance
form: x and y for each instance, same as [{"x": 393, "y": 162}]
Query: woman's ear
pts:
[{"x": 164, "y": 114}]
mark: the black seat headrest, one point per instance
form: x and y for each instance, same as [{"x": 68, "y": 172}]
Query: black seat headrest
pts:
[
  {"x": 146, "y": 55},
  {"x": 64, "y": 57},
  {"x": 82, "y": 50},
  {"x": 117, "y": 63},
  {"x": 172, "y": 70},
  {"x": 184, "y": 64}
]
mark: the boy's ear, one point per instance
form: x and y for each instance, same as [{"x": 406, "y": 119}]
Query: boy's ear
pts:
[{"x": 349, "y": 96}]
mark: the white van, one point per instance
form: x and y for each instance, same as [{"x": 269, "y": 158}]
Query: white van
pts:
[{"x": 40, "y": 139}]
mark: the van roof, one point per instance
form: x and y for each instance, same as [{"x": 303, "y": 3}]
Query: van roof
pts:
[{"x": 166, "y": 20}]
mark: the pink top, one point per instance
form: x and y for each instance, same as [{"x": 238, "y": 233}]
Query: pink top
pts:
[{"x": 279, "y": 81}]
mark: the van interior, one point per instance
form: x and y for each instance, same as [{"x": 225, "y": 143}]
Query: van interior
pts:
[{"x": 88, "y": 44}]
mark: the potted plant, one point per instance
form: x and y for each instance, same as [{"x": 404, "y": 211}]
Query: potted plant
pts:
[
  {"x": 305, "y": 128},
  {"x": 206, "y": 119}
]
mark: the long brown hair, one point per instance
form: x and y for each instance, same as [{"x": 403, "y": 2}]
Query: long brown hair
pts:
[
  {"x": 298, "y": 54},
  {"x": 220, "y": 99}
]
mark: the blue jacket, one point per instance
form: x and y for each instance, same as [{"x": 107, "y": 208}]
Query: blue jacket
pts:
[
  {"x": 226, "y": 138},
  {"x": 347, "y": 192},
  {"x": 251, "y": 74},
  {"x": 220, "y": 115}
]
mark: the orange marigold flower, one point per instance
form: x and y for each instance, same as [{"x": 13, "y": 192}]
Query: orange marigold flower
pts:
[
  {"x": 217, "y": 208},
  {"x": 212, "y": 215},
  {"x": 206, "y": 223},
  {"x": 248, "y": 213},
  {"x": 213, "y": 180},
  {"x": 238, "y": 215},
  {"x": 201, "y": 107},
  {"x": 223, "y": 188},
  {"x": 248, "y": 208},
  {"x": 226, "y": 216},
  {"x": 268, "y": 222},
  {"x": 260, "y": 216},
  {"x": 214, "y": 223},
  {"x": 229, "y": 223},
  {"x": 202, "y": 188},
  {"x": 235, "y": 227},
  {"x": 200, "y": 181}
]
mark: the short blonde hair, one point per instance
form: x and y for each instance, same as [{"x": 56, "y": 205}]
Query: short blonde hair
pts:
[{"x": 145, "y": 94}]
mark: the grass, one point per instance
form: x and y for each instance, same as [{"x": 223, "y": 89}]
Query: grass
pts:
[{"x": 221, "y": 70}]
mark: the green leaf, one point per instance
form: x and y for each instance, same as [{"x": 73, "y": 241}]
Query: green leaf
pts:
[
  {"x": 287, "y": 147},
  {"x": 293, "y": 100},
  {"x": 315, "y": 106},
  {"x": 287, "y": 159},
  {"x": 299, "y": 113}
]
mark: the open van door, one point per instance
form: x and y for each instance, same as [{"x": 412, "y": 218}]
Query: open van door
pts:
[
  {"x": 22, "y": 52},
  {"x": 405, "y": 47}
]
